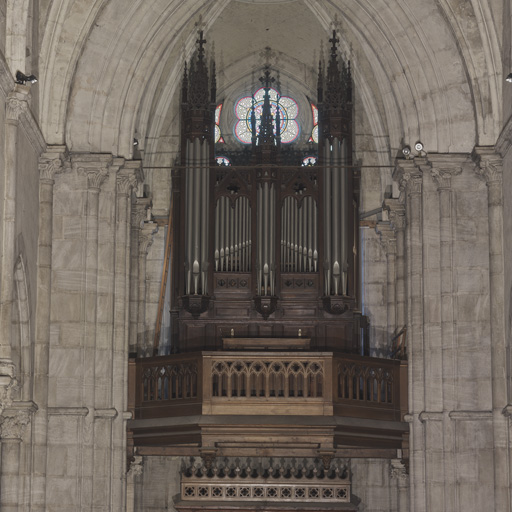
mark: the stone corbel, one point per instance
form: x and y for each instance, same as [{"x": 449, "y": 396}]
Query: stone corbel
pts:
[
  {"x": 136, "y": 466},
  {"x": 140, "y": 208}
]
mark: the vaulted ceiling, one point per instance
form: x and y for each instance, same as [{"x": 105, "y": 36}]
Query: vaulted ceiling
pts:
[{"x": 423, "y": 69}]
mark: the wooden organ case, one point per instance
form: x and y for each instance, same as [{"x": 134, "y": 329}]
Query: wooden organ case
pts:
[
  {"x": 268, "y": 249},
  {"x": 267, "y": 356}
]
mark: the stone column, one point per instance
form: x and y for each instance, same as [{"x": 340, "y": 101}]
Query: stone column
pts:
[
  {"x": 12, "y": 426},
  {"x": 489, "y": 168},
  {"x": 138, "y": 215},
  {"x": 127, "y": 178},
  {"x": 397, "y": 218},
  {"x": 144, "y": 343},
  {"x": 95, "y": 169},
  {"x": 16, "y": 106},
  {"x": 399, "y": 473},
  {"x": 50, "y": 163},
  {"x": 410, "y": 179},
  {"x": 388, "y": 240},
  {"x": 444, "y": 168}
]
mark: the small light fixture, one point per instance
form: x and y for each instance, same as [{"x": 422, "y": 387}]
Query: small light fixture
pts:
[
  {"x": 406, "y": 150},
  {"x": 135, "y": 142},
  {"x": 22, "y": 79},
  {"x": 509, "y": 78},
  {"x": 418, "y": 146}
]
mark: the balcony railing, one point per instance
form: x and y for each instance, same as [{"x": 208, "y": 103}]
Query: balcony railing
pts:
[{"x": 252, "y": 383}]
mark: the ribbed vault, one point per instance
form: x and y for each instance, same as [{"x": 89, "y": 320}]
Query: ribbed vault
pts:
[{"x": 423, "y": 70}]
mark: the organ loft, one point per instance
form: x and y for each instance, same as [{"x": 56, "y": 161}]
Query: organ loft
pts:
[{"x": 268, "y": 348}]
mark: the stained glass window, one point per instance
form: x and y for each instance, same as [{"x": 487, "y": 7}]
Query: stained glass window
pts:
[
  {"x": 218, "y": 134},
  {"x": 309, "y": 160},
  {"x": 288, "y": 112},
  {"x": 314, "y": 132},
  {"x": 222, "y": 160}
]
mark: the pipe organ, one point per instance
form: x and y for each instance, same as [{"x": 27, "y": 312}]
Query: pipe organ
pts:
[{"x": 267, "y": 247}]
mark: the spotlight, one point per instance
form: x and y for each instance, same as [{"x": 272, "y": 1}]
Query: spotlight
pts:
[
  {"x": 509, "y": 78},
  {"x": 22, "y": 79},
  {"x": 135, "y": 142},
  {"x": 406, "y": 150},
  {"x": 418, "y": 146}
]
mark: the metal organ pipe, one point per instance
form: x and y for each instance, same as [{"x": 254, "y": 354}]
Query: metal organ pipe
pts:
[
  {"x": 196, "y": 217},
  {"x": 327, "y": 216}
]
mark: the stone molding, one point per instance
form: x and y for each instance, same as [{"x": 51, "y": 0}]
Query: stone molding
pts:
[
  {"x": 68, "y": 411},
  {"x": 470, "y": 415},
  {"x": 425, "y": 416},
  {"x": 108, "y": 414}
]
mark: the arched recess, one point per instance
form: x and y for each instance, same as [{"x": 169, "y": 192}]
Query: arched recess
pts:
[{"x": 20, "y": 345}]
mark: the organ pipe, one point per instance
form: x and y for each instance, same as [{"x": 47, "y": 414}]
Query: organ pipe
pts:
[{"x": 196, "y": 217}]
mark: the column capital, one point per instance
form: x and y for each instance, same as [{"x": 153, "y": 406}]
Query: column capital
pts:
[
  {"x": 140, "y": 207},
  {"x": 446, "y": 165},
  {"x": 398, "y": 470},
  {"x": 396, "y": 212},
  {"x": 489, "y": 164},
  {"x": 94, "y": 167},
  {"x": 409, "y": 174},
  {"x": 54, "y": 160},
  {"x": 146, "y": 236},
  {"x": 129, "y": 176},
  {"x": 17, "y": 102},
  {"x": 15, "y": 419}
]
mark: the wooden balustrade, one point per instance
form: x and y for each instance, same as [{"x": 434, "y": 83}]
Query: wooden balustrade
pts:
[{"x": 248, "y": 383}]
